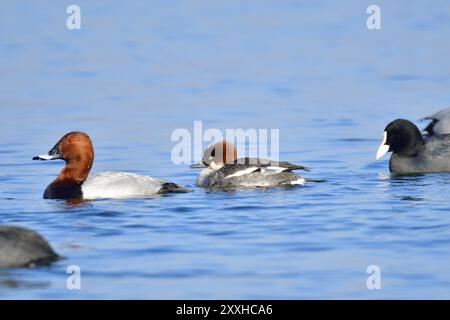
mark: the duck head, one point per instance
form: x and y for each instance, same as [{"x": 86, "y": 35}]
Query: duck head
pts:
[
  {"x": 76, "y": 149},
  {"x": 217, "y": 155}
]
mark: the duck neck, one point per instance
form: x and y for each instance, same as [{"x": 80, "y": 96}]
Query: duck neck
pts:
[
  {"x": 75, "y": 171},
  {"x": 68, "y": 184}
]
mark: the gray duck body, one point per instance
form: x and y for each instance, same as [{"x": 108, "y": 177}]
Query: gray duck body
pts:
[{"x": 249, "y": 172}]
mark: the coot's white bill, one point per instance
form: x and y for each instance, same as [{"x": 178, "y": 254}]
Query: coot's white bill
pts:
[{"x": 384, "y": 148}]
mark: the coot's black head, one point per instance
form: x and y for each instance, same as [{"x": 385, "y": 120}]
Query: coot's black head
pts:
[{"x": 401, "y": 137}]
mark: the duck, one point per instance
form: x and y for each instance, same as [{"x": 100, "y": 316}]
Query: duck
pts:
[
  {"x": 222, "y": 169},
  {"x": 439, "y": 124},
  {"x": 74, "y": 181},
  {"x": 412, "y": 153},
  {"x": 24, "y": 248}
]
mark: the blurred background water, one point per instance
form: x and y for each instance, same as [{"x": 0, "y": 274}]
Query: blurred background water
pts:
[{"x": 138, "y": 70}]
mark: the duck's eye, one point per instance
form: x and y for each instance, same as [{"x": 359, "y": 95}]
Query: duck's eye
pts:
[{"x": 213, "y": 152}]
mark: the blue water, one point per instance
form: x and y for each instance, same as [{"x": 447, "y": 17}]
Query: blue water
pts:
[{"x": 136, "y": 71}]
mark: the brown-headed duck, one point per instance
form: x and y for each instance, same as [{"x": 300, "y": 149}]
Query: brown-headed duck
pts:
[
  {"x": 74, "y": 181},
  {"x": 222, "y": 169}
]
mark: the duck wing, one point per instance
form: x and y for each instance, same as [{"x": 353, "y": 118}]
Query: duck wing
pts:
[{"x": 265, "y": 163}]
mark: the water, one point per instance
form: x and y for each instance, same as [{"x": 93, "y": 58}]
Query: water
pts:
[{"x": 137, "y": 71}]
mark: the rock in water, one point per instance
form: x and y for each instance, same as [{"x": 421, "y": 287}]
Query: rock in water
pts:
[{"x": 20, "y": 247}]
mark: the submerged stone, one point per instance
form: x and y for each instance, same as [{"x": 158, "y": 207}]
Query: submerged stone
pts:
[{"x": 21, "y": 247}]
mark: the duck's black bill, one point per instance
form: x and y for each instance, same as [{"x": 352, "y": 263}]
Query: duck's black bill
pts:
[
  {"x": 53, "y": 154},
  {"x": 45, "y": 157},
  {"x": 198, "y": 166}
]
